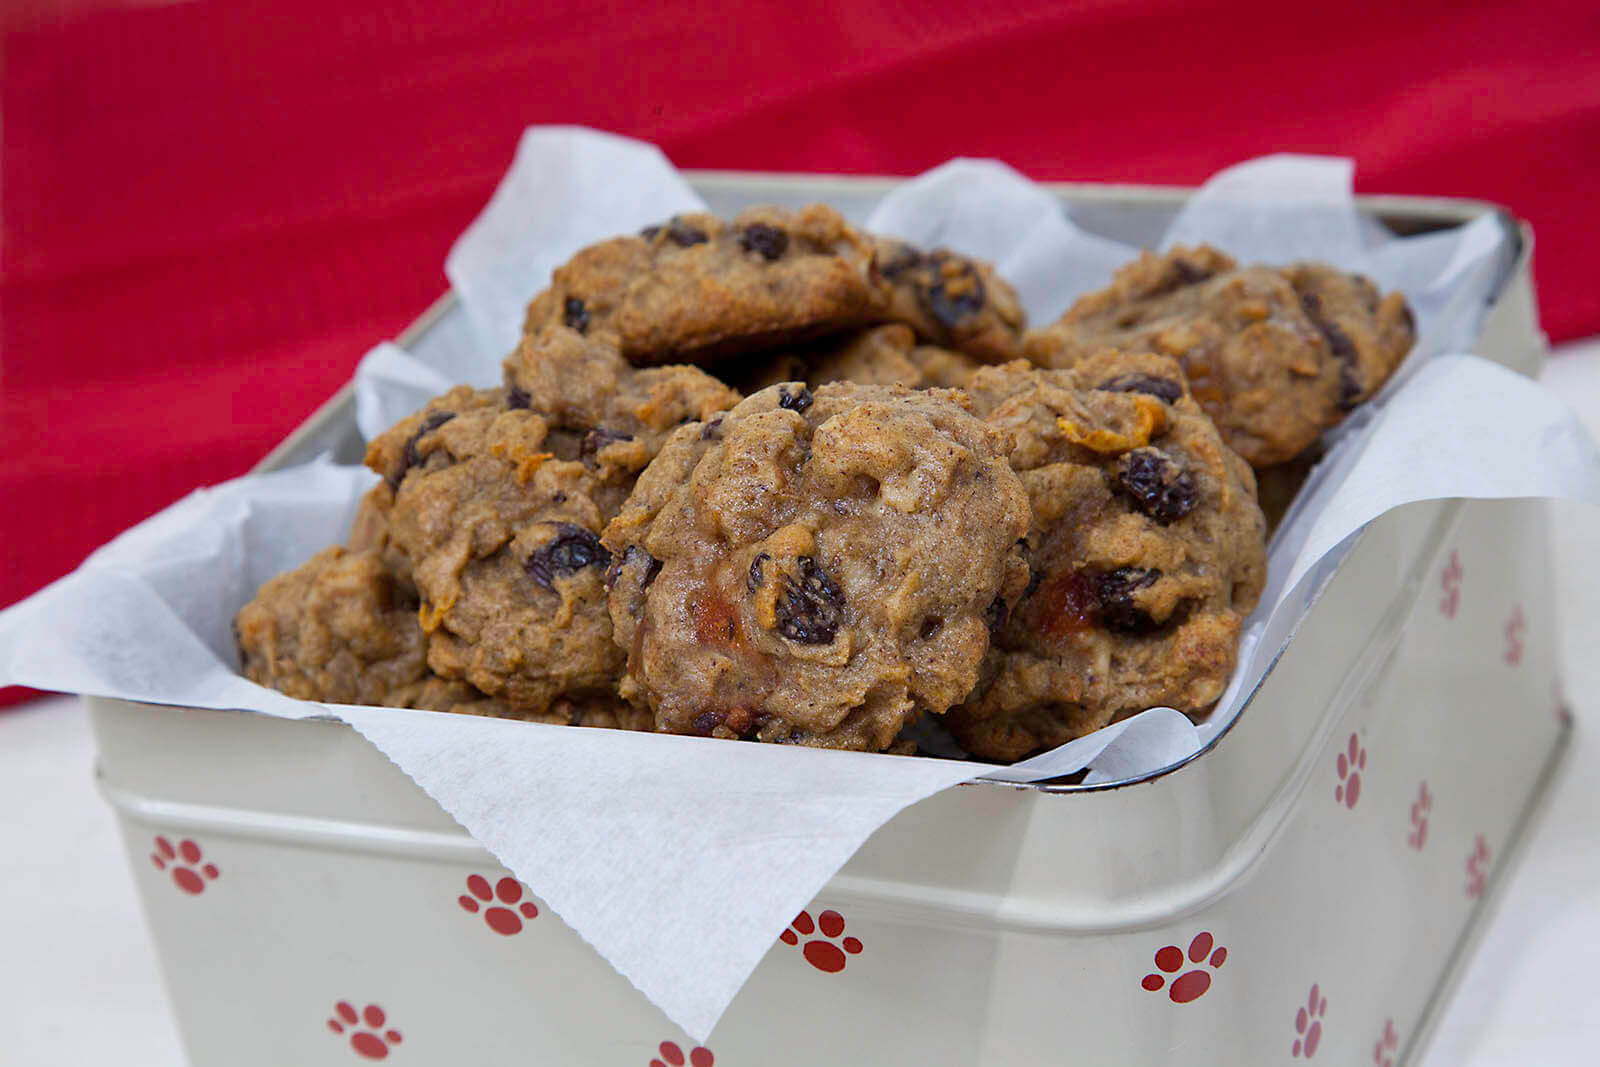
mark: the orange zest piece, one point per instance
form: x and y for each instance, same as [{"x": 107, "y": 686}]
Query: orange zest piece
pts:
[{"x": 1149, "y": 415}]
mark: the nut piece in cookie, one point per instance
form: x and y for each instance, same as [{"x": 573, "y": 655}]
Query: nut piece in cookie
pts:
[
  {"x": 339, "y": 628},
  {"x": 1146, "y": 551},
  {"x": 952, "y": 301},
  {"x": 1273, "y": 356},
  {"x": 883, "y": 355},
  {"x": 696, "y": 289},
  {"x": 821, "y": 570},
  {"x": 506, "y": 557}
]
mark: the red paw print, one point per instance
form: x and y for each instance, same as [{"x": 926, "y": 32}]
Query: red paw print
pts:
[
  {"x": 1308, "y": 1024},
  {"x": 369, "y": 1038},
  {"x": 1515, "y": 627},
  {"x": 1352, "y": 761},
  {"x": 500, "y": 918},
  {"x": 1192, "y": 985},
  {"x": 823, "y": 955},
  {"x": 1383, "y": 1052},
  {"x": 1419, "y": 818},
  {"x": 672, "y": 1056},
  {"x": 1450, "y": 582},
  {"x": 1477, "y": 868},
  {"x": 187, "y": 872}
]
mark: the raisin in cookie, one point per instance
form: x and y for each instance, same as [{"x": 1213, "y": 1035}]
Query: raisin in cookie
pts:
[
  {"x": 952, "y": 301},
  {"x": 503, "y": 539},
  {"x": 1271, "y": 375},
  {"x": 816, "y": 568},
  {"x": 602, "y": 410},
  {"x": 882, "y": 355},
  {"x": 1146, "y": 552},
  {"x": 696, "y": 288},
  {"x": 339, "y": 628},
  {"x": 1367, "y": 332}
]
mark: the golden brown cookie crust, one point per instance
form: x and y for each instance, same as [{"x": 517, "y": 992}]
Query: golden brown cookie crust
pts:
[
  {"x": 816, "y": 568},
  {"x": 503, "y": 536},
  {"x": 697, "y": 288},
  {"x": 1268, "y": 371},
  {"x": 952, "y": 301},
  {"x": 1146, "y": 551}
]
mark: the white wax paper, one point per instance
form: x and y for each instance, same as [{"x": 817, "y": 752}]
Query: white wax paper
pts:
[{"x": 681, "y": 859}]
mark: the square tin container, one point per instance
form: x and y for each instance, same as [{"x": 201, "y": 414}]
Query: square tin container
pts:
[{"x": 1310, "y": 884}]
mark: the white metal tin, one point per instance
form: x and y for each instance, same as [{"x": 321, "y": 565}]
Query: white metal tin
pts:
[{"x": 1304, "y": 888}]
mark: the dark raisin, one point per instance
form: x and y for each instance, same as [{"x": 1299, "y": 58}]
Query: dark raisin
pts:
[
  {"x": 575, "y": 315},
  {"x": 408, "y": 456},
  {"x": 707, "y": 721},
  {"x": 517, "y": 399},
  {"x": 712, "y": 431},
  {"x": 808, "y": 612},
  {"x": 1155, "y": 485},
  {"x": 633, "y": 556},
  {"x": 1339, "y": 343},
  {"x": 595, "y": 440},
  {"x": 795, "y": 398},
  {"x": 1117, "y": 609},
  {"x": 905, "y": 257},
  {"x": 684, "y": 235},
  {"x": 952, "y": 300},
  {"x": 997, "y": 614},
  {"x": 757, "y": 577},
  {"x": 770, "y": 241},
  {"x": 1163, "y": 389},
  {"x": 1189, "y": 273},
  {"x": 649, "y": 232},
  {"x": 573, "y": 549}
]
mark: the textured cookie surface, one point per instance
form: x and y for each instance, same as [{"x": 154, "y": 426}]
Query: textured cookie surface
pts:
[
  {"x": 1146, "y": 551},
  {"x": 339, "y": 629},
  {"x": 503, "y": 539},
  {"x": 1273, "y": 356},
  {"x": 952, "y": 301},
  {"x": 816, "y": 568},
  {"x": 696, "y": 288},
  {"x": 882, "y": 355}
]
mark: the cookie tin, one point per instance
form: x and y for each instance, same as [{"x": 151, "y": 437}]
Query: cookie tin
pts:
[{"x": 1308, "y": 886}]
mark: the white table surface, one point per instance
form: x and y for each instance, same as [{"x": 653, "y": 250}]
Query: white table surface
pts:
[{"x": 79, "y": 983}]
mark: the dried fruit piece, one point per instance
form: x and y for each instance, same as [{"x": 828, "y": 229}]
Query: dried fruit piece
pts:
[
  {"x": 1163, "y": 389},
  {"x": 769, "y": 241},
  {"x": 1156, "y": 485},
  {"x": 809, "y": 612},
  {"x": 408, "y": 456},
  {"x": 575, "y": 314},
  {"x": 1116, "y": 589},
  {"x": 573, "y": 549}
]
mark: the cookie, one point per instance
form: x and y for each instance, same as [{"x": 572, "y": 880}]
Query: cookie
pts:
[
  {"x": 612, "y": 416},
  {"x": 952, "y": 301},
  {"x": 882, "y": 355},
  {"x": 503, "y": 536},
  {"x": 816, "y": 567},
  {"x": 696, "y": 288},
  {"x": 338, "y": 629},
  {"x": 1369, "y": 333},
  {"x": 1271, "y": 375},
  {"x": 1146, "y": 551}
]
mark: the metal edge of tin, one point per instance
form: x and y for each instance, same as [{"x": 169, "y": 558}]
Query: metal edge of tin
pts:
[{"x": 333, "y": 415}]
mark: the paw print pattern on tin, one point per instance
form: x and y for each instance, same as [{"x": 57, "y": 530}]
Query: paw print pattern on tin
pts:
[
  {"x": 1204, "y": 952},
  {"x": 1308, "y": 1024},
  {"x": 368, "y": 1038},
  {"x": 824, "y": 955},
  {"x": 189, "y": 873}
]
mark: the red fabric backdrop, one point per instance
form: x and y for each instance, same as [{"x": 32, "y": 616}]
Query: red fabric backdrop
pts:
[{"x": 211, "y": 210}]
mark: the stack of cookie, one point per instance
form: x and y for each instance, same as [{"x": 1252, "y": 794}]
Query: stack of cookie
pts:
[{"x": 780, "y": 480}]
